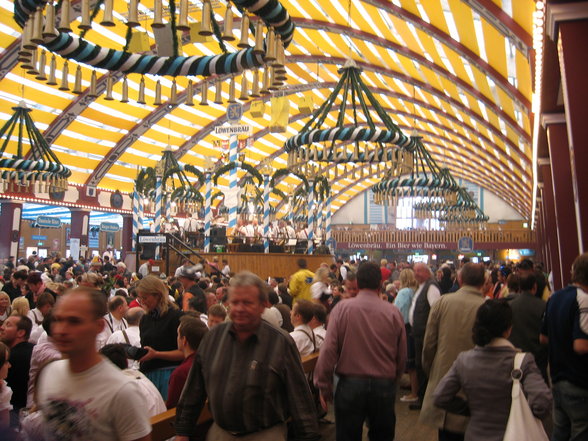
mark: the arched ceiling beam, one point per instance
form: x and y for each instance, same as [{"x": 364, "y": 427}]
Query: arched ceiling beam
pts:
[
  {"x": 76, "y": 107},
  {"x": 510, "y": 29},
  {"x": 511, "y": 91},
  {"x": 9, "y": 58},
  {"x": 433, "y": 91}
]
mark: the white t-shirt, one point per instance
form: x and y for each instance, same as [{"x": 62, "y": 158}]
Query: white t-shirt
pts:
[
  {"x": 5, "y": 396},
  {"x": 99, "y": 404},
  {"x": 303, "y": 337},
  {"x": 273, "y": 316},
  {"x": 152, "y": 397}
]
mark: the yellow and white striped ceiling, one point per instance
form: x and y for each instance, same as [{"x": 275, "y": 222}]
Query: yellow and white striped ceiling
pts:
[{"x": 457, "y": 71}]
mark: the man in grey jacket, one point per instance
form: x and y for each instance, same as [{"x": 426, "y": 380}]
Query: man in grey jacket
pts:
[{"x": 448, "y": 333}]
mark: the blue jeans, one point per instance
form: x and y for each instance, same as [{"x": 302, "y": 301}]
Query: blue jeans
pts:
[
  {"x": 358, "y": 399},
  {"x": 570, "y": 413}
]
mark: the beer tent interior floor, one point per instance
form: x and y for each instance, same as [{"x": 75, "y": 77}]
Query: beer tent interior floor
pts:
[{"x": 407, "y": 424}]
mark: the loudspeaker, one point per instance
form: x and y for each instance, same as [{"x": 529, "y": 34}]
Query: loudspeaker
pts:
[{"x": 218, "y": 236}]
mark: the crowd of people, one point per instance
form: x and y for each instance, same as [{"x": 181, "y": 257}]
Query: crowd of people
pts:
[{"x": 91, "y": 350}]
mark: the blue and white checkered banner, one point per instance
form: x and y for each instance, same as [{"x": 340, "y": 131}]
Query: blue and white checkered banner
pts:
[
  {"x": 266, "y": 213},
  {"x": 207, "y": 212},
  {"x": 310, "y": 243},
  {"x": 290, "y": 217},
  {"x": 136, "y": 202},
  {"x": 158, "y": 203},
  {"x": 329, "y": 240}
]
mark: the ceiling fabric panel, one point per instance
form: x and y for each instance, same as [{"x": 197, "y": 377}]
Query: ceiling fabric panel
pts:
[
  {"x": 520, "y": 14},
  {"x": 462, "y": 14},
  {"x": 495, "y": 49},
  {"x": 523, "y": 74}
]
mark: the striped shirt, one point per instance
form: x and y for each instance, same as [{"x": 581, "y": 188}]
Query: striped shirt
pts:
[{"x": 251, "y": 385}]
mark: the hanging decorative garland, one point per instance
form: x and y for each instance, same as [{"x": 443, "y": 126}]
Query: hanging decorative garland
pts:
[{"x": 69, "y": 46}]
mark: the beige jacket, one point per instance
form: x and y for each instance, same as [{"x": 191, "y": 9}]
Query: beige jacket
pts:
[{"x": 449, "y": 332}]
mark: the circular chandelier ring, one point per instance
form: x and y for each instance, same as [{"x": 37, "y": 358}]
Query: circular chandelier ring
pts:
[
  {"x": 351, "y": 134},
  {"x": 75, "y": 48}
]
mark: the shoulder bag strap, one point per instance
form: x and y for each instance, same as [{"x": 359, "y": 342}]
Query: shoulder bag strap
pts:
[
  {"x": 109, "y": 323},
  {"x": 124, "y": 333},
  {"x": 517, "y": 373}
]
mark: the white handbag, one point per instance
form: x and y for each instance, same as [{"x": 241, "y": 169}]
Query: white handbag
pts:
[{"x": 522, "y": 424}]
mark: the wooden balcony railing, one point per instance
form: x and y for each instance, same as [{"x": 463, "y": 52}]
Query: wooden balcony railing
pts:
[{"x": 392, "y": 236}]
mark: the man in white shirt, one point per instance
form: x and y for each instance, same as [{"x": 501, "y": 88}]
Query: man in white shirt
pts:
[
  {"x": 84, "y": 396},
  {"x": 248, "y": 231},
  {"x": 290, "y": 232},
  {"x": 302, "y": 233},
  {"x": 130, "y": 335},
  {"x": 226, "y": 268},
  {"x": 145, "y": 268},
  {"x": 317, "y": 324},
  {"x": 114, "y": 320},
  {"x": 45, "y": 302},
  {"x": 424, "y": 298},
  {"x": 301, "y": 315}
]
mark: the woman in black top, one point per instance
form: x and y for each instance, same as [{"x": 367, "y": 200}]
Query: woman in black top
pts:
[{"x": 159, "y": 332}]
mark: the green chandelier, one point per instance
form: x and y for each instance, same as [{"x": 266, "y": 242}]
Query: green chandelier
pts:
[
  {"x": 425, "y": 180},
  {"x": 176, "y": 187},
  {"x": 375, "y": 138},
  {"x": 39, "y": 168}
]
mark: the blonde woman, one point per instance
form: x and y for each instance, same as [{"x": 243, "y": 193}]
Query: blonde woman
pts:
[
  {"x": 408, "y": 286},
  {"x": 91, "y": 280},
  {"x": 320, "y": 289},
  {"x": 5, "y": 308},
  {"x": 20, "y": 306},
  {"x": 159, "y": 332}
]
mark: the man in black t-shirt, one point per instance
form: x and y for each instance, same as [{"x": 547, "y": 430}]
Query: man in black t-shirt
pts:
[{"x": 15, "y": 333}]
